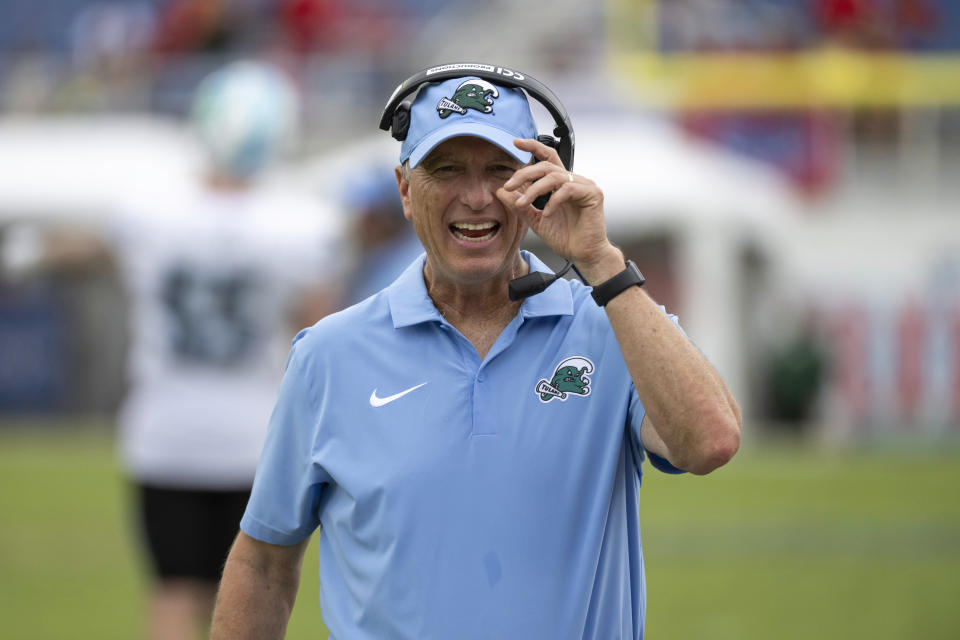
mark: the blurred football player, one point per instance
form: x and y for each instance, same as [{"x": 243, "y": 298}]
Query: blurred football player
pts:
[
  {"x": 219, "y": 278},
  {"x": 219, "y": 281}
]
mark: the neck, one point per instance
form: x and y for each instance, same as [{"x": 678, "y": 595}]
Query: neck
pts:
[
  {"x": 479, "y": 310},
  {"x": 474, "y": 301}
]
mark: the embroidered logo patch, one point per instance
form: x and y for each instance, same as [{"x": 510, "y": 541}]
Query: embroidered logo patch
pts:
[
  {"x": 472, "y": 94},
  {"x": 570, "y": 377}
]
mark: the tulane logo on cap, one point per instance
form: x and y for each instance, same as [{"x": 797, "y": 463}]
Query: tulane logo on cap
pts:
[
  {"x": 471, "y": 94},
  {"x": 569, "y": 377}
]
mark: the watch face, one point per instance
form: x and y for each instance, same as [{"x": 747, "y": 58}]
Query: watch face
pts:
[{"x": 632, "y": 266}]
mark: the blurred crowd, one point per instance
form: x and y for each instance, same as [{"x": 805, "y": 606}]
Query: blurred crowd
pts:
[{"x": 85, "y": 55}]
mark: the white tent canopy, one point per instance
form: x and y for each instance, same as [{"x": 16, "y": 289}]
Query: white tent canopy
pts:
[{"x": 84, "y": 166}]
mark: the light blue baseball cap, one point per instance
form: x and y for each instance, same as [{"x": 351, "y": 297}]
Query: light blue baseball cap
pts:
[{"x": 467, "y": 106}]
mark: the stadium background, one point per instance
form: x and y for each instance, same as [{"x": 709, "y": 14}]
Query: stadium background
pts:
[{"x": 792, "y": 194}]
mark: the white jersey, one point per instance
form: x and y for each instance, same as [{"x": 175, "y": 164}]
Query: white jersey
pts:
[{"x": 212, "y": 278}]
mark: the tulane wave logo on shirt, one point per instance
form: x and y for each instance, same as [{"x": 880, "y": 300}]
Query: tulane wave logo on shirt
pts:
[{"x": 570, "y": 377}]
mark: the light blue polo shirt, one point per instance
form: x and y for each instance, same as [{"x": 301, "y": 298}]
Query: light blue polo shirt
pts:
[{"x": 460, "y": 497}]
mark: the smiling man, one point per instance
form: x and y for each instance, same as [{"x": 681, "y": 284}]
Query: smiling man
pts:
[{"x": 474, "y": 462}]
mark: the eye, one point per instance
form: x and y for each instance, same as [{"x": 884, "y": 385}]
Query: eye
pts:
[
  {"x": 504, "y": 170},
  {"x": 445, "y": 169}
]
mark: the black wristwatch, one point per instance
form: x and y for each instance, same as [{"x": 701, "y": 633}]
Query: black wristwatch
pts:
[{"x": 607, "y": 291}]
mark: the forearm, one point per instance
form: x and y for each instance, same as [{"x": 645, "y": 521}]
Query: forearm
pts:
[
  {"x": 257, "y": 591},
  {"x": 689, "y": 406}
]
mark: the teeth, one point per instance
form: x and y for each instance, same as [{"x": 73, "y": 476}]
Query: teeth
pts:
[
  {"x": 475, "y": 226},
  {"x": 468, "y": 230},
  {"x": 486, "y": 236}
]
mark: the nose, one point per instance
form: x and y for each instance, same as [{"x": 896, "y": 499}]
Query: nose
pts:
[{"x": 477, "y": 192}]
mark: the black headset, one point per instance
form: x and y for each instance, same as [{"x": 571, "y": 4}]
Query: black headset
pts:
[{"x": 396, "y": 119}]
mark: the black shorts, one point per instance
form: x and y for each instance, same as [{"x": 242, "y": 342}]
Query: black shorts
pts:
[{"x": 189, "y": 532}]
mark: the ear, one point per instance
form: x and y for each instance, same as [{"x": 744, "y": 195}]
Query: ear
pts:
[{"x": 403, "y": 186}]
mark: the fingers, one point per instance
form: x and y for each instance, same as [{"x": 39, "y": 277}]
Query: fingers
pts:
[
  {"x": 563, "y": 191},
  {"x": 529, "y": 214},
  {"x": 565, "y": 194},
  {"x": 542, "y": 152},
  {"x": 552, "y": 182},
  {"x": 529, "y": 173},
  {"x": 547, "y": 157},
  {"x": 539, "y": 178},
  {"x": 548, "y": 176}
]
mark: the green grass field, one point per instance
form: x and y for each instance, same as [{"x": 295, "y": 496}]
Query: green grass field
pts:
[{"x": 786, "y": 542}]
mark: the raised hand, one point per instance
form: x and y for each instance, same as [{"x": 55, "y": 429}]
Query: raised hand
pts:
[{"x": 572, "y": 223}]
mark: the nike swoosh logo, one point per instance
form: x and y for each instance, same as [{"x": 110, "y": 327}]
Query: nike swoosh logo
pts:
[{"x": 379, "y": 402}]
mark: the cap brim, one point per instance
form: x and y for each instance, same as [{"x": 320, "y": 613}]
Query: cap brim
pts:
[{"x": 499, "y": 137}]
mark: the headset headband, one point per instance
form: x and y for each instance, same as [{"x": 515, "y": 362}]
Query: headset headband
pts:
[{"x": 502, "y": 76}]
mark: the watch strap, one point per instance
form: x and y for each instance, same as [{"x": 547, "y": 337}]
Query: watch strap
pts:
[{"x": 607, "y": 291}]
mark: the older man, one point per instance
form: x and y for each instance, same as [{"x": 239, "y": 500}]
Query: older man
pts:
[{"x": 474, "y": 462}]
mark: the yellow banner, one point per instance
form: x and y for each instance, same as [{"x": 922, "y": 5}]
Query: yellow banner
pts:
[{"x": 826, "y": 78}]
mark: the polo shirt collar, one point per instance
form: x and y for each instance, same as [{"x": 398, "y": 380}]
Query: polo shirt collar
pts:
[{"x": 410, "y": 304}]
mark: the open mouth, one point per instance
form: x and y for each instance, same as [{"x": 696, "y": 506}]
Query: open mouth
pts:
[{"x": 475, "y": 231}]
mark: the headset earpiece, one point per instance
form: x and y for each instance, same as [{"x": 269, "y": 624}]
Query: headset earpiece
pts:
[
  {"x": 550, "y": 141},
  {"x": 401, "y": 121}
]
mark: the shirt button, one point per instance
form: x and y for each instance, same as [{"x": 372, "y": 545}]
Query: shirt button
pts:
[{"x": 480, "y": 377}]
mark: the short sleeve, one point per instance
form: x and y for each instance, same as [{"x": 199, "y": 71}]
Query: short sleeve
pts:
[{"x": 283, "y": 507}]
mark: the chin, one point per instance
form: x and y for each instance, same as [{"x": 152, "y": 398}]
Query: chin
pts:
[{"x": 479, "y": 269}]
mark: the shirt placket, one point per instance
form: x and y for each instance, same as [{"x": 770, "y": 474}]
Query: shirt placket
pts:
[{"x": 484, "y": 394}]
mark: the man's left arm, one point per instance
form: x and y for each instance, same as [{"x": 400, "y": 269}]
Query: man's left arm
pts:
[{"x": 691, "y": 418}]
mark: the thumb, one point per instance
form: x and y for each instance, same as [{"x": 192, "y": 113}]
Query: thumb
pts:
[{"x": 509, "y": 199}]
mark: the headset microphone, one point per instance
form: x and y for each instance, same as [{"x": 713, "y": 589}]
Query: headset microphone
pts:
[
  {"x": 534, "y": 282},
  {"x": 396, "y": 119}
]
